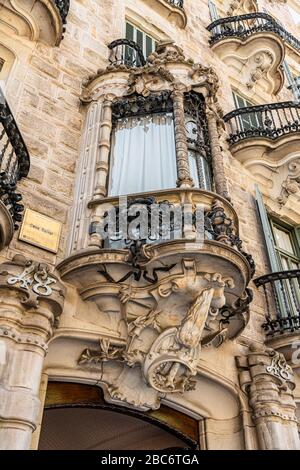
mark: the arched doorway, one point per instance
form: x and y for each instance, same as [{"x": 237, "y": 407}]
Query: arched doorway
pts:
[{"x": 76, "y": 417}]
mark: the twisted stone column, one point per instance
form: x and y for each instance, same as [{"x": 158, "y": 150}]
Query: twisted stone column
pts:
[
  {"x": 182, "y": 158},
  {"x": 31, "y": 300},
  {"x": 216, "y": 153},
  {"x": 102, "y": 166},
  {"x": 268, "y": 381}
]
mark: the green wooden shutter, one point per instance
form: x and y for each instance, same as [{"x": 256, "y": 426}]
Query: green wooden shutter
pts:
[
  {"x": 214, "y": 15},
  {"x": 274, "y": 263}
]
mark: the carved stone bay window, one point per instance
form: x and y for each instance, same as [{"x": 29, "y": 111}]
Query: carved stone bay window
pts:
[
  {"x": 154, "y": 131},
  {"x": 150, "y": 127}
]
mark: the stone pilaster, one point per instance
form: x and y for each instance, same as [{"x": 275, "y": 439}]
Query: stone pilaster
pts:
[
  {"x": 268, "y": 381},
  {"x": 31, "y": 301},
  {"x": 216, "y": 153},
  {"x": 184, "y": 179}
]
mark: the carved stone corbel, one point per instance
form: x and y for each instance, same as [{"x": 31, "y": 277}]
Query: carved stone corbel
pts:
[
  {"x": 167, "y": 323},
  {"x": 268, "y": 381}
]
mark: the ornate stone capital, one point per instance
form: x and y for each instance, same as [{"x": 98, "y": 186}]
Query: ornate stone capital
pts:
[
  {"x": 37, "y": 291},
  {"x": 268, "y": 381}
]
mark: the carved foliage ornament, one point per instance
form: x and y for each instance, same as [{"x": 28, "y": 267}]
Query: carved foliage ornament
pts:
[{"x": 291, "y": 185}]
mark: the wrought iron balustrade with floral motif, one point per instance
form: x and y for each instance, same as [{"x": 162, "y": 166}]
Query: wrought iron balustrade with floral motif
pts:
[
  {"x": 243, "y": 26},
  {"x": 14, "y": 161},
  {"x": 268, "y": 120},
  {"x": 127, "y": 53},
  {"x": 282, "y": 296}
]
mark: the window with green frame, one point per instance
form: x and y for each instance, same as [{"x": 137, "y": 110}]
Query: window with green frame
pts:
[
  {"x": 146, "y": 42},
  {"x": 283, "y": 246},
  {"x": 248, "y": 120},
  {"x": 286, "y": 245}
]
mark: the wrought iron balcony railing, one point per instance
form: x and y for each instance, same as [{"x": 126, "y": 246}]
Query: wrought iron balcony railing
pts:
[
  {"x": 243, "y": 26},
  {"x": 63, "y": 7},
  {"x": 126, "y": 52},
  {"x": 282, "y": 294},
  {"x": 268, "y": 120},
  {"x": 14, "y": 161},
  {"x": 176, "y": 3}
]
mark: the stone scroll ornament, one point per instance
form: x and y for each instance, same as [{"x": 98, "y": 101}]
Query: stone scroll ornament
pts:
[{"x": 164, "y": 342}]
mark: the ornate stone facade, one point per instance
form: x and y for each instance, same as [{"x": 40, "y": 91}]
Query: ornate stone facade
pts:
[{"x": 149, "y": 328}]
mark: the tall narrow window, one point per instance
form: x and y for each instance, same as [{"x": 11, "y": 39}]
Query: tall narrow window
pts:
[
  {"x": 146, "y": 42},
  {"x": 283, "y": 250},
  {"x": 143, "y": 156},
  {"x": 198, "y": 141}
]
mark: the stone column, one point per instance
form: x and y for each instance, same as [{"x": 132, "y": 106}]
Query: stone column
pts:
[
  {"x": 268, "y": 381},
  {"x": 31, "y": 300},
  {"x": 183, "y": 169},
  {"x": 216, "y": 153},
  {"x": 102, "y": 165}
]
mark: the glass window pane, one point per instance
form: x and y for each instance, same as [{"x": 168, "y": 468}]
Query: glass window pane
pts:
[
  {"x": 139, "y": 39},
  {"x": 149, "y": 46},
  {"x": 283, "y": 240},
  {"x": 129, "y": 31},
  {"x": 143, "y": 155}
]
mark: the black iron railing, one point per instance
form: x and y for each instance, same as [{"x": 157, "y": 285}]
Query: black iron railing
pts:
[
  {"x": 126, "y": 52},
  {"x": 63, "y": 6},
  {"x": 268, "y": 120},
  {"x": 282, "y": 295},
  {"x": 243, "y": 26},
  {"x": 14, "y": 161},
  {"x": 176, "y": 3}
]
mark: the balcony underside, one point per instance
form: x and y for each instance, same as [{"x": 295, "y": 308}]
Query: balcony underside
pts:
[
  {"x": 36, "y": 20},
  {"x": 255, "y": 60},
  {"x": 265, "y": 151},
  {"x": 168, "y": 8}
]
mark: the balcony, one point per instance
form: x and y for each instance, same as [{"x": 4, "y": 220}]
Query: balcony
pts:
[
  {"x": 264, "y": 134},
  {"x": 40, "y": 20},
  {"x": 160, "y": 285},
  {"x": 125, "y": 54},
  {"x": 253, "y": 46},
  {"x": 282, "y": 300},
  {"x": 14, "y": 165},
  {"x": 244, "y": 26},
  {"x": 173, "y": 10}
]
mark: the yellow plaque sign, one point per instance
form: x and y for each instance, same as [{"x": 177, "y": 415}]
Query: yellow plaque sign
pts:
[{"x": 40, "y": 230}]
